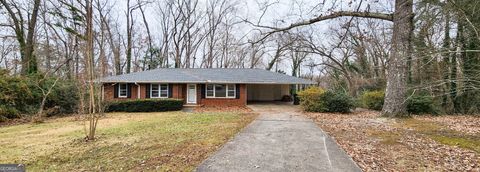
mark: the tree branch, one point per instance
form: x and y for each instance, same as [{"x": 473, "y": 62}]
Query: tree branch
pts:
[{"x": 373, "y": 15}]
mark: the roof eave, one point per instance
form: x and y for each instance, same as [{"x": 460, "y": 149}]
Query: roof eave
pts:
[{"x": 205, "y": 82}]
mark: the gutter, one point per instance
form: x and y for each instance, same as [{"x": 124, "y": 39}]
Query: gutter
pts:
[{"x": 209, "y": 81}]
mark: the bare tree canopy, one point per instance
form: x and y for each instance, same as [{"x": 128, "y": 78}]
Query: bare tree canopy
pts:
[{"x": 403, "y": 47}]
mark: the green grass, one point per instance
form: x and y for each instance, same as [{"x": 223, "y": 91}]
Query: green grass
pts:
[
  {"x": 432, "y": 130},
  {"x": 125, "y": 141},
  {"x": 443, "y": 135},
  {"x": 460, "y": 141}
]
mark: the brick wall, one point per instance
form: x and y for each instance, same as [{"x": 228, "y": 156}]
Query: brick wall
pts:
[
  {"x": 218, "y": 102},
  {"x": 177, "y": 91}
]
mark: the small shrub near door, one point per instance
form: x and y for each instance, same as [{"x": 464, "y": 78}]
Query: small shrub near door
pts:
[
  {"x": 315, "y": 99},
  {"x": 145, "y": 105},
  {"x": 373, "y": 99}
]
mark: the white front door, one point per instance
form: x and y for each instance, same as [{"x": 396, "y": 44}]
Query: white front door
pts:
[{"x": 192, "y": 93}]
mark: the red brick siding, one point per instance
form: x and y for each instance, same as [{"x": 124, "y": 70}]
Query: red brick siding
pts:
[
  {"x": 109, "y": 90},
  {"x": 177, "y": 91},
  {"x": 242, "y": 101}
]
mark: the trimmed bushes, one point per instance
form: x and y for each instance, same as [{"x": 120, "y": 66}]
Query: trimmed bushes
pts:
[
  {"x": 373, "y": 99},
  {"x": 145, "y": 105},
  {"x": 315, "y": 99}
]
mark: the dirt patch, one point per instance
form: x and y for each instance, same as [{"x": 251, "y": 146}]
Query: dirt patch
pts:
[{"x": 415, "y": 144}]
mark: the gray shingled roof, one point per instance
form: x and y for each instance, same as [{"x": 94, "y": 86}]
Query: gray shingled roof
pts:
[{"x": 212, "y": 75}]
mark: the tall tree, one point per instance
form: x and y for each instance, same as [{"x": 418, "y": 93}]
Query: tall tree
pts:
[
  {"x": 395, "y": 94},
  {"x": 29, "y": 61}
]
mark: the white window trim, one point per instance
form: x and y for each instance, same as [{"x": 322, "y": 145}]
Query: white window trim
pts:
[
  {"x": 159, "y": 91},
  {"x": 226, "y": 96},
  {"x": 120, "y": 90}
]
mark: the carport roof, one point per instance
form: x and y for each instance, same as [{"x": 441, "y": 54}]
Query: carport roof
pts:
[{"x": 210, "y": 75}]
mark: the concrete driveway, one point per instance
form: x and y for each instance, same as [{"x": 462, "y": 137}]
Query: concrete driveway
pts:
[{"x": 280, "y": 139}]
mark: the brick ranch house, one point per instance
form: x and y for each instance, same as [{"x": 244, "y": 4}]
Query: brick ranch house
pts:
[{"x": 203, "y": 87}]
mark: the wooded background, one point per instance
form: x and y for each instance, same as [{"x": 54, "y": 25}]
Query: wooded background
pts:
[{"x": 350, "y": 53}]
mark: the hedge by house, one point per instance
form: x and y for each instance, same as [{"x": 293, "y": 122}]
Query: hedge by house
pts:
[
  {"x": 315, "y": 99},
  {"x": 145, "y": 105}
]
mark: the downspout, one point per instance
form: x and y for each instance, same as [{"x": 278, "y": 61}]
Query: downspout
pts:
[{"x": 138, "y": 90}]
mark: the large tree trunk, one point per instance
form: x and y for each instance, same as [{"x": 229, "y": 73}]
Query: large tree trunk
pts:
[
  {"x": 30, "y": 60},
  {"x": 395, "y": 94},
  {"x": 129, "y": 37}
]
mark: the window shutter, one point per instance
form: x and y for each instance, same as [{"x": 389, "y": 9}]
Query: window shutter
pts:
[
  {"x": 115, "y": 90},
  {"x": 237, "y": 91},
  {"x": 129, "y": 90},
  {"x": 202, "y": 91},
  {"x": 170, "y": 90},
  {"x": 147, "y": 91}
]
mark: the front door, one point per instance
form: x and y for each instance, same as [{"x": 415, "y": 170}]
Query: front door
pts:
[{"x": 192, "y": 93}]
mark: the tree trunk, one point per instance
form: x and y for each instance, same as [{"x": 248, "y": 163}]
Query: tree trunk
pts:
[
  {"x": 129, "y": 37},
  {"x": 90, "y": 71},
  {"x": 395, "y": 93},
  {"x": 31, "y": 60},
  {"x": 26, "y": 45}
]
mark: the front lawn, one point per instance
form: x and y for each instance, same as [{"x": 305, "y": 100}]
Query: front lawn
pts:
[
  {"x": 420, "y": 143},
  {"x": 175, "y": 141}
]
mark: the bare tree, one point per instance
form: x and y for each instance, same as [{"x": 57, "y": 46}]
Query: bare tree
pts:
[
  {"x": 395, "y": 97},
  {"x": 29, "y": 61}
]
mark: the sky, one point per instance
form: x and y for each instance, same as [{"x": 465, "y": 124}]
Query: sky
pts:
[
  {"x": 264, "y": 12},
  {"x": 275, "y": 13}
]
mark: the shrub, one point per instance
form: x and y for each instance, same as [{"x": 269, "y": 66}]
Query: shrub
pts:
[
  {"x": 145, "y": 105},
  {"x": 310, "y": 99},
  {"x": 7, "y": 112},
  {"x": 22, "y": 94},
  {"x": 373, "y": 99},
  {"x": 317, "y": 100},
  {"x": 65, "y": 96},
  {"x": 421, "y": 104},
  {"x": 337, "y": 102},
  {"x": 468, "y": 102}
]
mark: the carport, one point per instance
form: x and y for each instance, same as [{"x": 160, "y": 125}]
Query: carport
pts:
[{"x": 267, "y": 92}]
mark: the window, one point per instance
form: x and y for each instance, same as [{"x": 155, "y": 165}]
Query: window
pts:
[
  {"x": 122, "y": 90},
  {"x": 159, "y": 91},
  {"x": 231, "y": 90},
  {"x": 220, "y": 91},
  {"x": 210, "y": 90}
]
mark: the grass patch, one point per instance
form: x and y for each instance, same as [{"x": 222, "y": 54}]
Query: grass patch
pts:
[
  {"x": 174, "y": 141},
  {"x": 463, "y": 142},
  {"x": 387, "y": 138},
  {"x": 442, "y": 134}
]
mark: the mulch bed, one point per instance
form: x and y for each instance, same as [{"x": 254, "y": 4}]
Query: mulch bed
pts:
[{"x": 383, "y": 144}]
